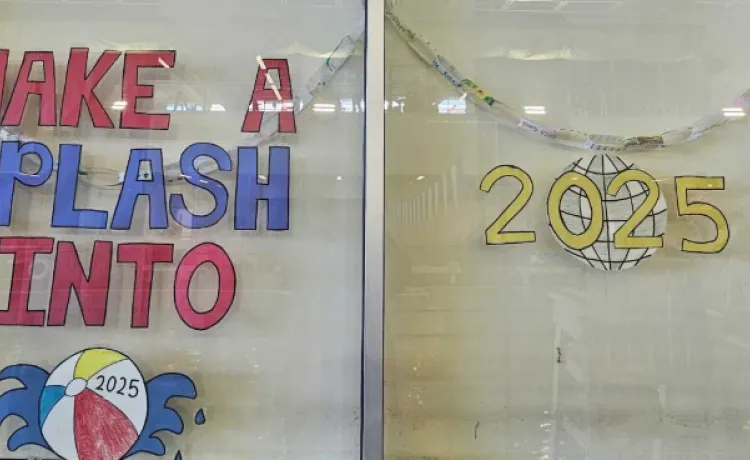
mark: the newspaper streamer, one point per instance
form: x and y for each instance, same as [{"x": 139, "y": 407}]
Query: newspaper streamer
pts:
[
  {"x": 268, "y": 131},
  {"x": 567, "y": 137},
  {"x": 505, "y": 114}
]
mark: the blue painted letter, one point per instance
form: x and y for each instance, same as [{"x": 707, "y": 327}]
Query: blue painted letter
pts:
[
  {"x": 11, "y": 171},
  {"x": 133, "y": 187},
  {"x": 64, "y": 212},
  {"x": 250, "y": 191},
  {"x": 177, "y": 206}
]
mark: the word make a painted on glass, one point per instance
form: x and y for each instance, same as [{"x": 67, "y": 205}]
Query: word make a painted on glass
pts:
[{"x": 69, "y": 273}]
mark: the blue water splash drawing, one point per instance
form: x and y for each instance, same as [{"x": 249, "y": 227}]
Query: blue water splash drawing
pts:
[
  {"x": 160, "y": 417},
  {"x": 200, "y": 417},
  {"x": 178, "y": 456},
  {"x": 24, "y": 403}
]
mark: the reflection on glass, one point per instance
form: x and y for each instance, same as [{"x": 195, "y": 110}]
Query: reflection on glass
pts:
[
  {"x": 552, "y": 347},
  {"x": 186, "y": 233}
]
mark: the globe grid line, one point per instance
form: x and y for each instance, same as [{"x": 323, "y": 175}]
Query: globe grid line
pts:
[
  {"x": 652, "y": 214},
  {"x": 580, "y": 214},
  {"x": 632, "y": 207},
  {"x": 580, "y": 193},
  {"x": 613, "y": 200},
  {"x": 653, "y": 222},
  {"x": 587, "y": 171},
  {"x": 575, "y": 210},
  {"x": 587, "y": 219},
  {"x": 606, "y": 219},
  {"x": 589, "y": 260}
]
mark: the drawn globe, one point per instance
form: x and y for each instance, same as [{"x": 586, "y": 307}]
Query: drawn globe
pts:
[{"x": 575, "y": 212}]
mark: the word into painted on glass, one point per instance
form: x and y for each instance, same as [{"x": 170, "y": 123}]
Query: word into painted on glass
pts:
[{"x": 91, "y": 283}]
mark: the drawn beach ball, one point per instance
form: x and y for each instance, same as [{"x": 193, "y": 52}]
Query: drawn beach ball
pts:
[{"x": 93, "y": 406}]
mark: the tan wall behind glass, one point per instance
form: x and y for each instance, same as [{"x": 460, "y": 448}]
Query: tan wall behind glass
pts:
[{"x": 522, "y": 351}]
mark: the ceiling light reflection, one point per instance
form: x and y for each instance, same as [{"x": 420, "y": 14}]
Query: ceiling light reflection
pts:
[
  {"x": 535, "y": 110},
  {"x": 733, "y": 111},
  {"x": 321, "y": 107}
]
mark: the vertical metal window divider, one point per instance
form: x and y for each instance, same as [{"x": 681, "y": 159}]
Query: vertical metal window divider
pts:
[{"x": 372, "y": 422}]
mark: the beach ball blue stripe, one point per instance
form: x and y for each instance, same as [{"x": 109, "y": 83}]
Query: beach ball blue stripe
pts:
[{"x": 50, "y": 396}]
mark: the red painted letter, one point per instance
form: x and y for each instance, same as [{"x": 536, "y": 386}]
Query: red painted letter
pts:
[
  {"x": 26, "y": 86},
  {"x": 23, "y": 250},
  {"x": 92, "y": 291},
  {"x": 3, "y": 70},
  {"x": 132, "y": 91},
  {"x": 79, "y": 88},
  {"x": 144, "y": 256},
  {"x": 199, "y": 255},
  {"x": 281, "y": 98}
]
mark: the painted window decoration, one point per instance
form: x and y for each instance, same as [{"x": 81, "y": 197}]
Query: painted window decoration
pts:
[
  {"x": 95, "y": 404},
  {"x": 606, "y": 212},
  {"x": 129, "y": 272}
]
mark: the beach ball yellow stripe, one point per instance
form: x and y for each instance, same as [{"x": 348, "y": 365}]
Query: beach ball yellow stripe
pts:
[{"x": 92, "y": 361}]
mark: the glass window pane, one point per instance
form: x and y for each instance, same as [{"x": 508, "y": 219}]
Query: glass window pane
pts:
[
  {"x": 207, "y": 251},
  {"x": 552, "y": 294}
]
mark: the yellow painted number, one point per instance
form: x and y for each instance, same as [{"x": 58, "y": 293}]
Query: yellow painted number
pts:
[
  {"x": 554, "y": 204},
  {"x": 624, "y": 238},
  {"x": 494, "y": 234},
  {"x": 685, "y": 208}
]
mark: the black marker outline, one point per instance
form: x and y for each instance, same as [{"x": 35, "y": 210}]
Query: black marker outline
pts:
[
  {"x": 194, "y": 269},
  {"x": 65, "y": 174},
  {"x": 156, "y": 166},
  {"x": 252, "y": 152},
  {"x": 729, "y": 229},
  {"x": 30, "y": 62},
  {"x": 45, "y": 159},
  {"x": 169, "y": 57},
  {"x": 76, "y": 112},
  {"x": 261, "y": 94},
  {"x": 70, "y": 286},
  {"x": 31, "y": 313},
  {"x": 195, "y": 178},
  {"x": 123, "y": 249}
]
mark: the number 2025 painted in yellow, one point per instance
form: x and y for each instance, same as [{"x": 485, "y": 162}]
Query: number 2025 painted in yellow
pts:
[{"x": 624, "y": 238}]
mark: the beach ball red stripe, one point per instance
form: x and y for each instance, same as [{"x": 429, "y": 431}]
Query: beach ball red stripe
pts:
[{"x": 102, "y": 432}]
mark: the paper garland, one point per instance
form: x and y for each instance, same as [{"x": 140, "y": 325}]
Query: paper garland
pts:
[
  {"x": 468, "y": 89},
  {"x": 269, "y": 129},
  {"x": 567, "y": 137}
]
